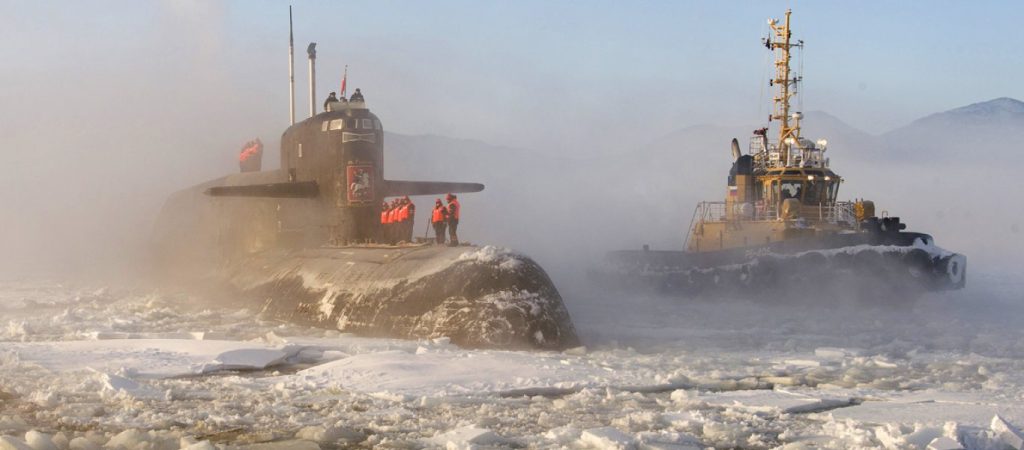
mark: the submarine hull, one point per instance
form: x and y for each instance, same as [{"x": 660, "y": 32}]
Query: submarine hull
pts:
[
  {"x": 270, "y": 254},
  {"x": 871, "y": 266},
  {"x": 479, "y": 297}
]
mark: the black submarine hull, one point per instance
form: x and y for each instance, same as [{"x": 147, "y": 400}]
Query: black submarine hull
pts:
[
  {"x": 477, "y": 296},
  {"x": 871, "y": 266}
]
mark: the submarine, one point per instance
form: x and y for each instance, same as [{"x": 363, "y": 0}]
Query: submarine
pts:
[
  {"x": 782, "y": 232},
  {"x": 300, "y": 244}
]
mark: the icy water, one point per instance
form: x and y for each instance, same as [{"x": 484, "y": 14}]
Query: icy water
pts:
[{"x": 85, "y": 366}]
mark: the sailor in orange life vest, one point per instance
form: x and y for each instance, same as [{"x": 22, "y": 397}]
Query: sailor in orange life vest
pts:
[
  {"x": 250, "y": 159},
  {"x": 454, "y": 210},
  {"x": 410, "y": 218},
  {"x": 403, "y": 218},
  {"x": 439, "y": 219}
]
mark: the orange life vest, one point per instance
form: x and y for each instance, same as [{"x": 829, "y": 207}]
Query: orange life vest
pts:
[
  {"x": 393, "y": 215},
  {"x": 454, "y": 209},
  {"x": 438, "y": 214},
  {"x": 384, "y": 216},
  {"x": 403, "y": 213}
]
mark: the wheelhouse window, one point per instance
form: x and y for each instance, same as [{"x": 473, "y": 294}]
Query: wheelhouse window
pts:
[
  {"x": 367, "y": 124},
  {"x": 791, "y": 189},
  {"x": 815, "y": 193}
]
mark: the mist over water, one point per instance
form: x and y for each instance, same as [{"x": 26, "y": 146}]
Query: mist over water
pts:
[{"x": 598, "y": 135}]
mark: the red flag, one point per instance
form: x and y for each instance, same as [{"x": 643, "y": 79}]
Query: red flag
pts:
[{"x": 343, "y": 81}]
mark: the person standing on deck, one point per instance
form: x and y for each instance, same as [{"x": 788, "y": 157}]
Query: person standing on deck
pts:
[
  {"x": 454, "y": 210},
  {"x": 440, "y": 220},
  {"x": 410, "y": 221}
]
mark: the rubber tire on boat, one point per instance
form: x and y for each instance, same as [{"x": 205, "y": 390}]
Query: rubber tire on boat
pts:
[
  {"x": 843, "y": 261},
  {"x": 953, "y": 269},
  {"x": 679, "y": 284},
  {"x": 917, "y": 264},
  {"x": 745, "y": 276},
  {"x": 811, "y": 265},
  {"x": 765, "y": 272},
  {"x": 869, "y": 262}
]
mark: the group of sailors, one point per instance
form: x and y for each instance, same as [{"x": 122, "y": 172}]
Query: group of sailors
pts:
[
  {"x": 446, "y": 217},
  {"x": 357, "y": 97},
  {"x": 397, "y": 219}
]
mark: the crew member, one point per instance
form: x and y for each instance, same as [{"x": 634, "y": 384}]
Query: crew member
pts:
[
  {"x": 439, "y": 219},
  {"x": 250, "y": 159},
  {"x": 411, "y": 219},
  {"x": 330, "y": 99},
  {"x": 357, "y": 96},
  {"x": 454, "y": 210},
  {"x": 403, "y": 219}
]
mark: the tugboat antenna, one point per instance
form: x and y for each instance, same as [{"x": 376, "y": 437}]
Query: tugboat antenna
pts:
[{"x": 789, "y": 133}]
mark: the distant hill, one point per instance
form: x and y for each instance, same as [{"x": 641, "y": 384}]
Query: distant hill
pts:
[
  {"x": 985, "y": 129},
  {"x": 999, "y": 111}
]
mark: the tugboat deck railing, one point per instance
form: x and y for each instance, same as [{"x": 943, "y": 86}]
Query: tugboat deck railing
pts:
[{"x": 832, "y": 213}]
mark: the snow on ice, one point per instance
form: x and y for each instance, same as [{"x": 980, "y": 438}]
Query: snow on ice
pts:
[{"x": 87, "y": 368}]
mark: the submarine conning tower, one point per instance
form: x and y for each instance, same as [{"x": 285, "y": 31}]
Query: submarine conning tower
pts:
[
  {"x": 342, "y": 152},
  {"x": 331, "y": 182}
]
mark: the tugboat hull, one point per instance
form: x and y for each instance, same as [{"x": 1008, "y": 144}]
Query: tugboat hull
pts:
[{"x": 870, "y": 263}]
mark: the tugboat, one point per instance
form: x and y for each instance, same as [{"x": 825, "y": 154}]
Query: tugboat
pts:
[{"x": 782, "y": 228}]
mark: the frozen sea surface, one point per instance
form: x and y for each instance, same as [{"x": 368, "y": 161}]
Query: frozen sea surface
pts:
[{"x": 85, "y": 366}]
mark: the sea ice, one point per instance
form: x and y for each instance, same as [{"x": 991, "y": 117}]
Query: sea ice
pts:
[
  {"x": 607, "y": 438},
  {"x": 944, "y": 443},
  {"x": 13, "y": 443},
  {"x": 465, "y": 438},
  {"x": 39, "y": 441},
  {"x": 1007, "y": 433}
]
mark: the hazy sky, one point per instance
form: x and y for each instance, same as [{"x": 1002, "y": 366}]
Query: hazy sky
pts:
[
  {"x": 108, "y": 106},
  {"x": 570, "y": 75}
]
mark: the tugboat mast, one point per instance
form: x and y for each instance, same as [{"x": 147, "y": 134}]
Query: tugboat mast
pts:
[{"x": 789, "y": 135}]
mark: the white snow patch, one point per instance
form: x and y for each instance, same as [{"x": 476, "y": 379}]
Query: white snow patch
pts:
[
  {"x": 944, "y": 443},
  {"x": 607, "y": 438},
  {"x": 13, "y": 443},
  {"x": 465, "y": 438},
  {"x": 504, "y": 257},
  {"x": 151, "y": 358},
  {"x": 1007, "y": 433},
  {"x": 776, "y": 401}
]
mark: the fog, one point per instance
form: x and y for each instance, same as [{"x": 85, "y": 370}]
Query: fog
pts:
[
  {"x": 105, "y": 116},
  {"x": 594, "y": 129}
]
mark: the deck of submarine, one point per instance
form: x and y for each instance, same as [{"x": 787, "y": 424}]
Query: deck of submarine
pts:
[{"x": 367, "y": 266}]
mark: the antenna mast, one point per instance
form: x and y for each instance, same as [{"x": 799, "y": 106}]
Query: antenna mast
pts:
[
  {"x": 291, "y": 68},
  {"x": 779, "y": 42}
]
